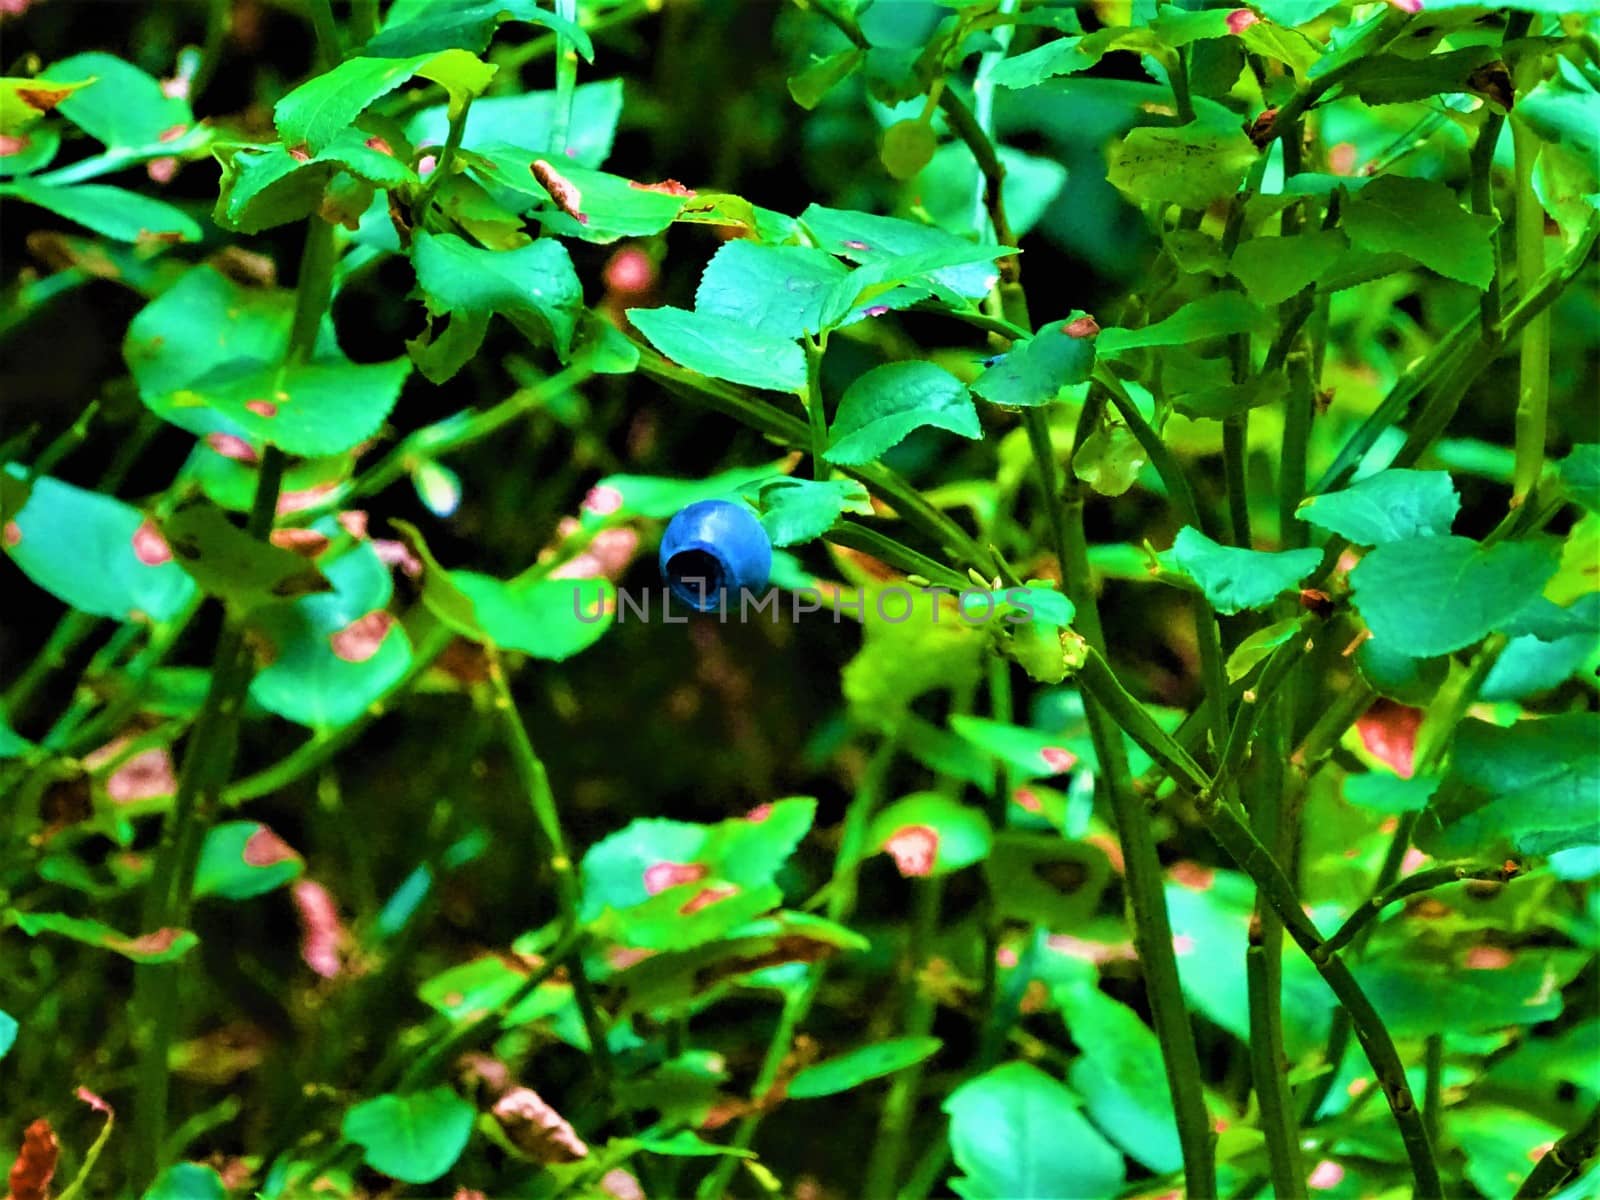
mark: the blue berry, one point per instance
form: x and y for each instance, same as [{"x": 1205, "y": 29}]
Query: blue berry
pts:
[{"x": 714, "y": 548}]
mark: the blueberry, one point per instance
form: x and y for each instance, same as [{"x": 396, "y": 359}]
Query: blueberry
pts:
[{"x": 711, "y": 548}]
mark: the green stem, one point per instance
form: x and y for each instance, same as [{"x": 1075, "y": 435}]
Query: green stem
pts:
[
  {"x": 1235, "y": 436},
  {"x": 566, "y": 79},
  {"x": 881, "y": 546},
  {"x": 1298, "y": 407},
  {"x": 329, "y": 49},
  {"x": 841, "y": 903},
  {"x": 1433, "y": 1085},
  {"x": 363, "y": 20},
  {"x": 816, "y": 414},
  {"x": 441, "y": 167},
  {"x": 894, "y": 1126},
  {"x": 1411, "y": 885},
  {"x": 1533, "y": 388},
  {"x": 535, "y": 781},
  {"x": 1152, "y": 928},
  {"x": 1247, "y": 851},
  {"x": 1563, "y": 1161}
]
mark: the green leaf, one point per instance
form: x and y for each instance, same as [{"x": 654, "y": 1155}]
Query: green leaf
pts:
[
  {"x": 326, "y": 105},
  {"x": 164, "y": 945},
  {"x": 809, "y": 86},
  {"x": 899, "y": 281},
  {"x": 1110, "y": 459},
  {"x": 929, "y": 834},
  {"x": 797, "y": 510},
  {"x": 778, "y": 290},
  {"x": 265, "y": 186},
  {"x": 62, "y": 527},
  {"x": 527, "y": 120},
  {"x": 723, "y": 348},
  {"x": 30, "y": 152},
  {"x": 534, "y": 287},
  {"x": 1402, "y": 79},
  {"x": 112, "y": 212},
  {"x": 314, "y": 408},
  {"x": 1064, "y": 56},
  {"x": 243, "y": 859},
  {"x": 1248, "y": 654},
  {"x": 745, "y": 851},
  {"x": 840, "y": 1074},
  {"x": 1233, "y": 579},
  {"x": 418, "y": 26},
  {"x": 1213, "y": 316},
  {"x": 1394, "y": 673},
  {"x": 1035, "y": 370},
  {"x": 1530, "y": 664},
  {"x": 327, "y": 657},
  {"x": 1386, "y": 792},
  {"x": 1422, "y": 220},
  {"x": 1404, "y": 988},
  {"x": 125, "y": 109},
  {"x": 203, "y": 322},
  {"x": 908, "y": 147},
  {"x": 227, "y": 562},
  {"x": 187, "y": 1181},
  {"x": 887, "y": 403},
  {"x": 1530, "y": 786},
  {"x": 547, "y": 618},
  {"x": 867, "y": 239},
  {"x": 12, "y": 744},
  {"x": 1031, "y": 753},
  {"x": 1389, "y": 506},
  {"x": 1273, "y": 269},
  {"x": 659, "y": 497},
  {"x": 607, "y": 207},
  {"x": 1580, "y": 475},
  {"x": 1429, "y": 596},
  {"x": 1190, "y": 165},
  {"x": 1044, "y": 880},
  {"x": 414, "y": 1138},
  {"x": 1119, "y": 1076},
  {"x": 947, "y": 185},
  {"x": 23, "y": 101},
  {"x": 1017, "y": 1134}
]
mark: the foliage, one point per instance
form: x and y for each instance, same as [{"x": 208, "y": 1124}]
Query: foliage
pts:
[{"x": 1169, "y": 762}]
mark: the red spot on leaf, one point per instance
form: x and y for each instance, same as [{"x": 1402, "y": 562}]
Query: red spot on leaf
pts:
[
  {"x": 262, "y": 408},
  {"x": 360, "y": 640},
  {"x": 1389, "y": 732},
  {"x": 621, "y": 1185},
  {"x": 322, "y": 934},
  {"x": 42, "y": 99},
  {"x": 1182, "y": 944},
  {"x": 229, "y": 446},
  {"x": 149, "y": 547},
  {"x": 877, "y": 310},
  {"x": 1028, "y": 800},
  {"x": 1342, "y": 158},
  {"x": 1058, "y": 759},
  {"x": 1193, "y": 876},
  {"x": 537, "y": 1129},
  {"x": 161, "y": 170},
  {"x": 1539, "y": 1151},
  {"x": 354, "y": 522},
  {"x": 293, "y": 502},
  {"x": 602, "y": 501},
  {"x": 914, "y": 848},
  {"x": 36, "y": 1162},
  {"x": 381, "y": 146},
  {"x": 148, "y": 945},
  {"x": 299, "y": 154},
  {"x": 1241, "y": 19},
  {"x": 1489, "y": 958},
  {"x": 1006, "y": 957},
  {"x": 706, "y": 897},
  {"x": 265, "y": 849},
  {"x": 145, "y": 776},
  {"x": 1328, "y": 1174},
  {"x": 1407, "y": 6},
  {"x": 852, "y": 244},
  {"x": 660, "y": 876},
  {"x": 398, "y": 554},
  {"x": 172, "y": 133},
  {"x": 562, "y": 190},
  {"x": 759, "y": 813},
  {"x": 1084, "y": 327},
  {"x": 667, "y": 187},
  {"x": 10, "y": 144},
  {"x": 620, "y": 958},
  {"x": 307, "y": 543},
  {"x": 12, "y": 534}
]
